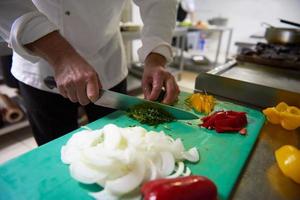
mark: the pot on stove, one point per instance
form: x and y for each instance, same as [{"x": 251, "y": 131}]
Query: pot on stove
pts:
[{"x": 276, "y": 35}]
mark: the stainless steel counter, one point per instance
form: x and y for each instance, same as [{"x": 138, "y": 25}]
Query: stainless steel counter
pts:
[
  {"x": 255, "y": 85},
  {"x": 262, "y": 179},
  {"x": 249, "y": 85}
]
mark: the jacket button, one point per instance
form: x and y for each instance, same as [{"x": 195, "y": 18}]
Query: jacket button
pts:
[{"x": 68, "y": 13}]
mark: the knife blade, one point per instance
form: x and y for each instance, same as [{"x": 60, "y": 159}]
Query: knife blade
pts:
[{"x": 123, "y": 102}]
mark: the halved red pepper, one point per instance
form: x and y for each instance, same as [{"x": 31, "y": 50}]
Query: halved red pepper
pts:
[
  {"x": 181, "y": 188},
  {"x": 225, "y": 121}
]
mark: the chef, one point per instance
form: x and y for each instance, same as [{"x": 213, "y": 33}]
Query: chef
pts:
[{"x": 80, "y": 45}]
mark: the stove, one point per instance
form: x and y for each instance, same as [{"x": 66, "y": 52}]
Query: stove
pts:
[{"x": 284, "y": 56}]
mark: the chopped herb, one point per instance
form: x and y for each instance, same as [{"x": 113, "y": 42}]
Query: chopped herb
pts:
[{"x": 149, "y": 114}]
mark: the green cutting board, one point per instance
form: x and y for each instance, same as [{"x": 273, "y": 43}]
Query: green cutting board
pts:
[{"x": 40, "y": 174}]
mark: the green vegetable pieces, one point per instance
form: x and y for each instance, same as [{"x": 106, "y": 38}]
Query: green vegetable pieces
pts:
[{"x": 150, "y": 114}]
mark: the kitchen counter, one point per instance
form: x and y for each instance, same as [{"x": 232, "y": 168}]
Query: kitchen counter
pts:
[
  {"x": 259, "y": 86},
  {"x": 262, "y": 178}
]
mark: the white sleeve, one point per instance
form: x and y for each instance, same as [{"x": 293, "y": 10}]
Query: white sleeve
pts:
[
  {"x": 165, "y": 51},
  {"x": 21, "y": 23},
  {"x": 159, "y": 18},
  {"x": 188, "y": 5}
]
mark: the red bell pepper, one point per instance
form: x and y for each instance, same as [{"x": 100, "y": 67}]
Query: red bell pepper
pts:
[
  {"x": 225, "y": 121},
  {"x": 181, "y": 188}
]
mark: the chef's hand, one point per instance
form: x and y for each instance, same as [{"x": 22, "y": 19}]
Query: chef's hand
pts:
[
  {"x": 155, "y": 78},
  {"x": 75, "y": 78}
]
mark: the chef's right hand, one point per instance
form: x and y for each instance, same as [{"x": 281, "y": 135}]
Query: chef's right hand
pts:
[{"x": 75, "y": 78}]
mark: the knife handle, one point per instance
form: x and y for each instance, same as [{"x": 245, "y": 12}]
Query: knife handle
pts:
[
  {"x": 50, "y": 82},
  {"x": 161, "y": 95}
]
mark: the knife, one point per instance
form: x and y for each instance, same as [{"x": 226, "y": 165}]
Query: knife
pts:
[{"x": 123, "y": 102}]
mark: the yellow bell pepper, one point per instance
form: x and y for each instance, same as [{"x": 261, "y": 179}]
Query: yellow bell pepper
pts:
[
  {"x": 287, "y": 116},
  {"x": 201, "y": 102},
  {"x": 288, "y": 160}
]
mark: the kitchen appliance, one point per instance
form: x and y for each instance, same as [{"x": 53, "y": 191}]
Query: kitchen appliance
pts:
[
  {"x": 276, "y": 35},
  {"x": 218, "y": 21},
  {"x": 290, "y": 22},
  {"x": 277, "y": 55}
]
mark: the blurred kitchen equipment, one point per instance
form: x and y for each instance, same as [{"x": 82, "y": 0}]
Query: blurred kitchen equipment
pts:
[
  {"x": 218, "y": 21},
  {"x": 289, "y": 22},
  {"x": 276, "y": 35},
  {"x": 10, "y": 110},
  {"x": 252, "y": 84},
  {"x": 275, "y": 55}
]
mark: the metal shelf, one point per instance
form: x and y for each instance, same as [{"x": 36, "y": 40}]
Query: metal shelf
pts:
[
  {"x": 13, "y": 127},
  {"x": 7, "y": 128}
]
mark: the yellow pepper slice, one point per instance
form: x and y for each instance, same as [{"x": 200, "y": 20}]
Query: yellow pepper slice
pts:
[
  {"x": 281, "y": 107},
  {"x": 288, "y": 160},
  {"x": 201, "y": 102},
  {"x": 287, "y": 116},
  {"x": 272, "y": 115},
  {"x": 290, "y": 121}
]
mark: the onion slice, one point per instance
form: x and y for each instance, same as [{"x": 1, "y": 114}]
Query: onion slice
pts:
[
  {"x": 128, "y": 182},
  {"x": 81, "y": 172},
  {"x": 191, "y": 155},
  {"x": 179, "y": 170},
  {"x": 168, "y": 163}
]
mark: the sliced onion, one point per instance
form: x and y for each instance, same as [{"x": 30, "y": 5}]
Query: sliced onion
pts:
[
  {"x": 187, "y": 172},
  {"x": 121, "y": 159},
  {"x": 152, "y": 172},
  {"x": 179, "y": 170},
  {"x": 168, "y": 163},
  {"x": 191, "y": 155},
  {"x": 103, "y": 195},
  {"x": 84, "y": 173},
  {"x": 96, "y": 158},
  {"x": 112, "y": 136},
  {"x": 77, "y": 143},
  {"x": 128, "y": 182},
  {"x": 177, "y": 149},
  {"x": 69, "y": 155},
  {"x": 84, "y": 138}
]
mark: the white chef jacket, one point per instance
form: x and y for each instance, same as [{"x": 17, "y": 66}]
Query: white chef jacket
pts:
[
  {"x": 188, "y": 5},
  {"x": 90, "y": 26}
]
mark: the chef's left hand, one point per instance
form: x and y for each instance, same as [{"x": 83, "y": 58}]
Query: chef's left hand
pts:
[{"x": 156, "y": 77}]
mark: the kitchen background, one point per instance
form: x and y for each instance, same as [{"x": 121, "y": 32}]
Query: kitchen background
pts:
[{"x": 243, "y": 17}]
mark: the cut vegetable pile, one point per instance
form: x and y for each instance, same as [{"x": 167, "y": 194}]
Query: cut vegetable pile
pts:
[
  {"x": 287, "y": 116},
  {"x": 201, "y": 102},
  {"x": 225, "y": 121},
  {"x": 122, "y": 159},
  {"x": 149, "y": 114}
]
